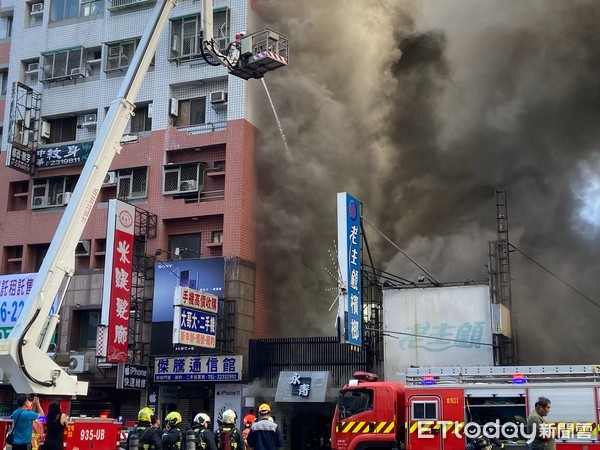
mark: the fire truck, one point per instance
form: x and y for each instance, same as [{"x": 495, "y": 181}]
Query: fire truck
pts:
[
  {"x": 442, "y": 408},
  {"x": 23, "y": 357}
]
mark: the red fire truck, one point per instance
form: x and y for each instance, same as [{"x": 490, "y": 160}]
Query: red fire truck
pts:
[{"x": 441, "y": 408}]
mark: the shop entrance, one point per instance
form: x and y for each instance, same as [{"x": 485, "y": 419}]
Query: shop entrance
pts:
[{"x": 308, "y": 426}]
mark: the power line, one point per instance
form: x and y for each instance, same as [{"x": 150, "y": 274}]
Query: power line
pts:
[
  {"x": 573, "y": 288},
  {"x": 429, "y": 276},
  {"x": 389, "y": 333}
]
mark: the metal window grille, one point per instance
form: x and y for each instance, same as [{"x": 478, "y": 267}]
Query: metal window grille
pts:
[{"x": 61, "y": 64}]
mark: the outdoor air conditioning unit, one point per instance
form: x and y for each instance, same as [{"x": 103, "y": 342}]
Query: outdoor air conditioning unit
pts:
[
  {"x": 218, "y": 97},
  {"x": 45, "y": 131},
  {"x": 188, "y": 185},
  {"x": 32, "y": 69},
  {"x": 63, "y": 198},
  {"x": 78, "y": 72},
  {"x": 37, "y": 8},
  {"x": 77, "y": 364},
  {"x": 110, "y": 178},
  {"x": 175, "y": 44},
  {"x": 173, "y": 107},
  {"x": 90, "y": 120},
  {"x": 38, "y": 202}
]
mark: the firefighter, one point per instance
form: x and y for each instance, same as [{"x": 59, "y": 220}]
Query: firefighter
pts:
[
  {"x": 484, "y": 443},
  {"x": 249, "y": 419},
  {"x": 228, "y": 436},
  {"x": 201, "y": 434},
  {"x": 172, "y": 439},
  {"x": 148, "y": 435}
]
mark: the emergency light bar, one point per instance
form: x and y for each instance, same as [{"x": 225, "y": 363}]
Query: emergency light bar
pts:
[
  {"x": 428, "y": 380},
  {"x": 365, "y": 376},
  {"x": 518, "y": 378}
]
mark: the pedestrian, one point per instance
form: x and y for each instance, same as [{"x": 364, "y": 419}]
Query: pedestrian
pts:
[
  {"x": 23, "y": 418},
  {"x": 56, "y": 421},
  {"x": 265, "y": 434},
  {"x": 172, "y": 438},
  {"x": 146, "y": 430},
  {"x": 202, "y": 435},
  {"x": 228, "y": 436},
  {"x": 544, "y": 435},
  {"x": 249, "y": 419},
  {"x": 37, "y": 426}
]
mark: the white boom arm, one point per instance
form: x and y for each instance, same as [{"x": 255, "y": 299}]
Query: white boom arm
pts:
[{"x": 27, "y": 366}]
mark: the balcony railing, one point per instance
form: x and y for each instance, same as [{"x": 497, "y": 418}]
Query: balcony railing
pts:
[{"x": 115, "y": 5}]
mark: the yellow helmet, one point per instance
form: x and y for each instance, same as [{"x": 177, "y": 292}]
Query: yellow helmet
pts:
[
  {"x": 145, "y": 415},
  {"x": 173, "y": 418}
]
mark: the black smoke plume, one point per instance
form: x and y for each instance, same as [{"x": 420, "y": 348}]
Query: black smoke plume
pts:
[{"x": 421, "y": 110}]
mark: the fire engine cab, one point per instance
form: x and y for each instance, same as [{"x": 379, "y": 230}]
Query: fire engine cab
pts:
[{"x": 441, "y": 408}]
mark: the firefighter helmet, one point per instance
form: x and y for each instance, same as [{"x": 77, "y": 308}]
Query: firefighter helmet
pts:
[
  {"x": 145, "y": 415},
  {"x": 201, "y": 418},
  {"x": 249, "y": 419},
  {"x": 483, "y": 443},
  {"x": 173, "y": 418},
  {"x": 228, "y": 416}
]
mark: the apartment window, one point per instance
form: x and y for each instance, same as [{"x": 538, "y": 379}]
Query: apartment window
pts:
[
  {"x": 131, "y": 183},
  {"x": 186, "y": 37},
  {"x": 51, "y": 192},
  {"x": 8, "y": 24},
  {"x": 71, "y": 9},
  {"x": 85, "y": 328},
  {"x": 142, "y": 119},
  {"x": 62, "y": 130},
  {"x": 39, "y": 253},
  {"x": 3, "y": 82},
  {"x": 119, "y": 54},
  {"x": 182, "y": 179},
  {"x": 63, "y": 64},
  {"x": 185, "y": 245},
  {"x": 191, "y": 112}
]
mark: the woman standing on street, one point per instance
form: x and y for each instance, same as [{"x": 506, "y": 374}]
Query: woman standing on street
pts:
[{"x": 56, "y": 421}]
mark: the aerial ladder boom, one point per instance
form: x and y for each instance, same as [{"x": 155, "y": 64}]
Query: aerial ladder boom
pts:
[{"x": 23, "y": 354}]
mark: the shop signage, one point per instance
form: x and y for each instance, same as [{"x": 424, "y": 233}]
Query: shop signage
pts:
[
  {"x": 63, "y": 155},
  {"x": 192, "y": 327},
  {"x": 303, "y": 387},
  {"x": 132, "y": 376},
  {"x": 20, "y": 159},
  {"x": 349, "y": 260},
  {"x": 199, "y": 368},
  {"x": 117, "y": 280}
]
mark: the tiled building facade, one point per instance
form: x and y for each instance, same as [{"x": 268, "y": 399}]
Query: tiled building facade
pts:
[{"x": 188, "y": 160}]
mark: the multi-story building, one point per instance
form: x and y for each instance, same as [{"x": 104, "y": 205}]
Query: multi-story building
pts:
[{"x": 187, "y": 165}]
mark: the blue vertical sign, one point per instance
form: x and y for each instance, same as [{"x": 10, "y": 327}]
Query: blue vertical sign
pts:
[{"x": 349, "y": 259}]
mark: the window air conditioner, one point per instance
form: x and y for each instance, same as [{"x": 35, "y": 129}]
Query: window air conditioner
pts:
[
  {"x": 110, "y": 178},
  {"x": 89, "y": 120},
  {"x": 37, "y": 8},
  {"x": 77, "y": 364},
  {"x": 218, "y": 97},
  {"x": 32, "y": 68},
  {"x": 45, "y": 131},
  {"x": 38, "y": 202},
  {"x": 188, "y": 185}
]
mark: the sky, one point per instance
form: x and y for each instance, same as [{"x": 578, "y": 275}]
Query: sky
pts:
[{"x": 421, "y": 110}]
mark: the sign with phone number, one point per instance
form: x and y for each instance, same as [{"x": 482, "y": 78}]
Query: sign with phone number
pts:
[{"x": 199, "y": 368}]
